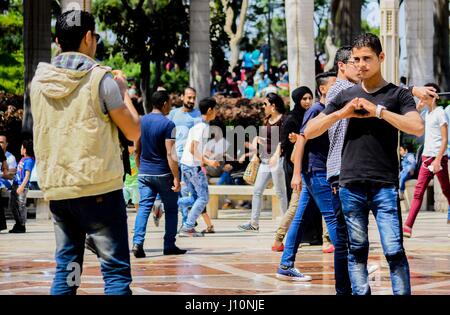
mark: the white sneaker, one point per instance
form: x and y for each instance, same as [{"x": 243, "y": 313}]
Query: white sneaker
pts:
[{"x": 371, "y": 269}]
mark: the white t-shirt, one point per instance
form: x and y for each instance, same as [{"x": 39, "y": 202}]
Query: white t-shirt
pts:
[
  {"x": 433, "y": 138},
  {"x": 218, "y": 148},
  {"x": 10, "y": 160},
  {"x": 199, "y": 133}
]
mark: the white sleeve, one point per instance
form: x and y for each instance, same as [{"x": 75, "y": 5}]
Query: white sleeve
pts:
[{"x": 442, "y": 118}]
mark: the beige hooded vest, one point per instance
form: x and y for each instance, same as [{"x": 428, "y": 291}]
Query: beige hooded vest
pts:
[{"x": 76, "y": 145}]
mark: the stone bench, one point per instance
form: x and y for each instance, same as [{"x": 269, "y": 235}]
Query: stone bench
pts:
[
  {"x": 239, "y": 192},
  {"x": 42, "y": 206}
]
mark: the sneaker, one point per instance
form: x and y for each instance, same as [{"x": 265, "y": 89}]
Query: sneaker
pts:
[
  {"x": 248, "y": 227},
  {"x": 407, "y": 231},
  {"x": 18, "y": 229},
  {"x": 158, "y": 211},
  {"x": 292, "y": 274},
  {"x": 186, "y": 232},
  {"x": 328, "y": 248},
  {"x": 138, "y": 251},
  {"x": 209, "y": 229},
  {"x": 174, "y": 251},
  {"x": 371, "y": 269},
  {"x": 279, "y": 248},
  {"x": 89, "y": 244}
]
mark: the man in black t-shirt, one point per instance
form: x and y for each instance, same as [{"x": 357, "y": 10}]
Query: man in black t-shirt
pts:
[{"x": 368, "y": 179}]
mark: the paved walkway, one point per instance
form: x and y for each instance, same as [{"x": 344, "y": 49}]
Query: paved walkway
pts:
[{"x": 228, "y": 262}]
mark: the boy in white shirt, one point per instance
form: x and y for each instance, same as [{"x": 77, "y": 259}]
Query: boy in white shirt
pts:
[
  {"x": 192, "y": 160},
  {"x": 434, "y": 158}
]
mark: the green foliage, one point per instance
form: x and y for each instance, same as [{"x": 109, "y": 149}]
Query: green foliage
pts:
[
  {"x": 219, "y": 39},
  {"x": 175, "y": 81},
  {"x": 11, "y": 50},
  {"x": 365, "y": 28},
  {"x": 116, "y": 61}
]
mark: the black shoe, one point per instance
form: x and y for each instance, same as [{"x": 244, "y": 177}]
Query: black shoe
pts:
[
  {"x": 18, "y": 229},
  {"x": 89, "y": 244},
  {"x": 174, "y": 251},
  {"x": 138, "y": 251},
  {"x": 3, "y": 226}
]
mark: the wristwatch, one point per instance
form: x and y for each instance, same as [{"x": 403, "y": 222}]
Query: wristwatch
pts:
[{"x": 380, "y": 108}]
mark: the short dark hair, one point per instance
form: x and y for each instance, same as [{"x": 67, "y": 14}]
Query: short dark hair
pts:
[
  {"x": 431, "y": 84},
  {"x": 408, "y": 146},
  {"x": 205, "y": 104},
  {"x": 189, "y": 88},
  {"x": 343, "y": 55},
  {"x": 71, "y": 27},
  {"x": 368, "y": 40},
  {"x": 159, "y": 98},
  {"x": 322, "y": 79},
  {"x": 28, "y": 146},
  {"x": 276, "y": 100}
]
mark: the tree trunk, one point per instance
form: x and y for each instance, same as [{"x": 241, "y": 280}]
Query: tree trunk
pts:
[
  {"x": 419, "y": 41},
  {"x": 346, "y": 20},
  {"x": 300, "y": 39},
  {"x": 36, "y": 42},
  {"x": 84, "y": 5},
  {"x": 235, "y": 38},
  {"x": 158, "y": 74},
  {"x": 441, "y": 45},
  {"x": 145, "y": 85},
  {"x": 199, "y": 48}
]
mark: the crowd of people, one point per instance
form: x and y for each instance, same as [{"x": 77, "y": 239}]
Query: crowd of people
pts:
[
  {"x": 337, "y": 155},
  {"x": 252, "y": 77}
]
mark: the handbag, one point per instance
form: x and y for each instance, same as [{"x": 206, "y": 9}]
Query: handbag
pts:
[{"x": 252, "y": 170}]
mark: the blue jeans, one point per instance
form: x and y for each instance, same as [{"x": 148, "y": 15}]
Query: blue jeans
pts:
[
  {"x": 315, "y": 190},
  {"x": 104, "y": 219},
  {"x": 342, "y": 278},
  {"x": 382, "y": 200},
  {"x": 225, "y": 179},
  {"x": 184, "y": 192},
  {"x": 404, "y": 176},
  {"x": 149, "y": 188},
  {"x": 5, "y": 183},
  {"x": 197, "y": 185}
]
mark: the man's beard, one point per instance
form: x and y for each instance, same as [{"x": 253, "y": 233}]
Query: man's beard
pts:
[{"x": 189, "y": 105}]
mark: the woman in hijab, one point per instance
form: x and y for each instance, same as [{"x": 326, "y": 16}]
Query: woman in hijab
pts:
[{"x": 303, "y": 100}]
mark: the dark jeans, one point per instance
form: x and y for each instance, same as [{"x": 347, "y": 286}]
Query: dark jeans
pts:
[
  {"x": 149, "y": 187},
  {"x": 104, "y": 219},
  {"x": 288, "y": 172},
  {"x": 17, "y": 204},
  {"x": 383, "y": 201},
  {"x": 342, "y": 285}
]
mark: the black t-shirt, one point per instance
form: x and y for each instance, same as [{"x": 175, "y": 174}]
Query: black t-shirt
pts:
[{"x": 369, "y": 154}]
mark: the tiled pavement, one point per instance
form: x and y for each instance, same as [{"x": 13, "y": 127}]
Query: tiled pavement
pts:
[{"x": 228, "y": 262}]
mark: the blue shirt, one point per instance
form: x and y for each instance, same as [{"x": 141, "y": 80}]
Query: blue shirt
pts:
[
  {"x": 25, "y": 164},
  {"x": 249, "y": 92},
  {"x": 248, "y": 61},
  {"x": 183, "y": 121},
  {"x": 408, "y": 162},
  {"x": 155, "y": 130},
  {"x": 316, "y": 150}
]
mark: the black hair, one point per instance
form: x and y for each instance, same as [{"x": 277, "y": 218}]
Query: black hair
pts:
[
  {"x": 368, "y": 40},
  {"x": 71, "y": 27},
  {"x": 189, "y": 88},
  {"x": 408, "y": 146},
  {"x": 342, "y": 55},
  {"x": 322, "y": 79},
  {"x": 403, "y": 80},
  {"x": 431, "y": 84},
  {"x": 276, "y": 100},
  {"x": 205, "y": 104},
  {"x": 28, "y": 146},
  {"x": 159, "y": 98}
]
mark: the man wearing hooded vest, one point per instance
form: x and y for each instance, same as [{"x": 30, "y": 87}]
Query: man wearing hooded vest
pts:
[{"x": 77, "y": 108}]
